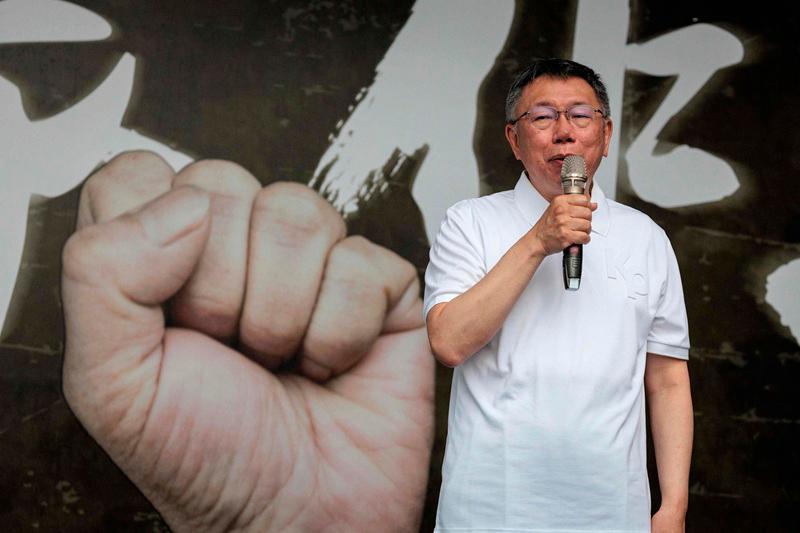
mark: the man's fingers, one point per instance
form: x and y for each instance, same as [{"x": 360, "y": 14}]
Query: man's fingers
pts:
[
  {"x": 583, "y": 213},
  {"x": 366, "y": 290},
  {"x": 292, "y": 230},
  {"x": 127, "y": 182},
  {"x": 579, "y": 224},
  {"x": 577, "y": 237},
  {"x": 211, "y": 301},
  {"x": 115, "y": 276},
  {"x": 573, "y": 199}
]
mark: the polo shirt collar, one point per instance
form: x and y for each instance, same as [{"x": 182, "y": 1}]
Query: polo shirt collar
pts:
[{"x": 532, "y": 204}]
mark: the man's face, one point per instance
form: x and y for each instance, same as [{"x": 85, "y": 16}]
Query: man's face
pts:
[{"x": 542, "y": 152}]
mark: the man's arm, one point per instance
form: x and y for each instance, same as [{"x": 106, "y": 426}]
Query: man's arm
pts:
[
  {"x": 459, "y": 328},
  {"x": 671, "y": 421}
]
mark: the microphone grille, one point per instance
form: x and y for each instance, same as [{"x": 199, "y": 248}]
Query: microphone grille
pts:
[{"x": 574, "y": 166}]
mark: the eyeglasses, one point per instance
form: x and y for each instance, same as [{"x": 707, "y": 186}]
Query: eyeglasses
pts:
[{"x": 544, "y": 116}]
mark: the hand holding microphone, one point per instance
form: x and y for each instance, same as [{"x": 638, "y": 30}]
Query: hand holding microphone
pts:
[
  {"x": 566, "y": 223},
  {"x": 573, "y": 181}
]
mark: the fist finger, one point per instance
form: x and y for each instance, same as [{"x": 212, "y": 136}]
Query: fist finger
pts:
[
  {"x": 291, "y": 233},
  {"x": 211, "y": 300},
  {"x": 125, "y": 183},
  {"x": 366, "y": 290}
]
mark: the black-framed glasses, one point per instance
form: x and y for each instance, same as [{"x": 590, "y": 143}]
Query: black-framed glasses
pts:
[{"x": 544, "y": 116}]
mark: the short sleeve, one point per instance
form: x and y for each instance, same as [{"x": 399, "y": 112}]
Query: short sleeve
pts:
[
  {"x": 669, "y": 332},
  {"x": 456, "y": 263}
]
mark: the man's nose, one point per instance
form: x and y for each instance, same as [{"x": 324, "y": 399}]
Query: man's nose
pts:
[{"x": 562, "y": 130}]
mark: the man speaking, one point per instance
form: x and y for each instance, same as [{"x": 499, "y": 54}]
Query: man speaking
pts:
[{"x": 546, "y": 427}]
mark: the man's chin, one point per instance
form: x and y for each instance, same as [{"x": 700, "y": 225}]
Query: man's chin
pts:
[{"x": 548, "y": 186}]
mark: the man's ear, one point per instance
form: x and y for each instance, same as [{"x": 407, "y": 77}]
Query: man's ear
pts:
[
  {"x": 609, "y": 129},
  {"x": 513, "y": 140}
]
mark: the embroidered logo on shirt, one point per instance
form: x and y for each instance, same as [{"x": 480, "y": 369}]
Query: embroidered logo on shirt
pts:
[{"x": 632, "y": 275}]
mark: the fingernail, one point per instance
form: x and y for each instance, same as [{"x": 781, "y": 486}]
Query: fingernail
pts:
[{"x": 174, "y": 214}]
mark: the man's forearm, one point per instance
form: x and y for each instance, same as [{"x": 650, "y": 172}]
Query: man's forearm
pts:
[
  {"x": 672, "y": 425},
  {"x": 462, "y": 326}
]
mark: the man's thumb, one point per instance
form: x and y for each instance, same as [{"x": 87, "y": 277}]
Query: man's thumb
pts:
[{"x": 115, "y": 277}]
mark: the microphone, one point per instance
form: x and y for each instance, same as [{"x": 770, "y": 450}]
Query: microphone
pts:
[{"x": 573, "y": 181}]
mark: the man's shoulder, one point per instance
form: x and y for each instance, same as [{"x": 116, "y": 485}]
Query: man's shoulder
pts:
[
  {"x": 630, "y": 220},
  {"x": 630, "y": 213},
  {"x": 481, "y": 206},
  {"x": 476, "y": 217}
]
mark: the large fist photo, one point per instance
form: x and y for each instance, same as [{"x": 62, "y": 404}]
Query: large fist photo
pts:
[{"x": 245, "y": 363}]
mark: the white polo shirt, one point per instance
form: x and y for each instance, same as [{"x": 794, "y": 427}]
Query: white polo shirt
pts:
[{"x": 546, "y": 428}]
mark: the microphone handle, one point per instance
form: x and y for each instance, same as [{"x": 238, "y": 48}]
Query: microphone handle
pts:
[{"x": 573, "y": 261}]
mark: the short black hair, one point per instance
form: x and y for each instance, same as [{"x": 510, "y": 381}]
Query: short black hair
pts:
[{"x": 558, "y": 68}]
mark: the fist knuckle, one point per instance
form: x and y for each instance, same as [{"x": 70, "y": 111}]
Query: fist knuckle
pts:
[
  {"x": 391, "y": 265},
  {"x": 141, "y": 162},
  {"x": 224, "y": 177},
  {"x": 298, "y": 210},
  {"x": 140, "y": 157},
  {"x": 407, "y": 269},
  {"x": 84, "y": 254},
  {"x": 134, "y": 165},
  {"x": 124, "y": 181},
  {"x": 351, "y": 259}
]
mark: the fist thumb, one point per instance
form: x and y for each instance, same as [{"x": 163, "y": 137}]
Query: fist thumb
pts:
[{"x": 115, "y": 276}]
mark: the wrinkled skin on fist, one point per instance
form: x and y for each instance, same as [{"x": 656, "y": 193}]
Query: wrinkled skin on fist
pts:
[{"x": 292, "y": 389}]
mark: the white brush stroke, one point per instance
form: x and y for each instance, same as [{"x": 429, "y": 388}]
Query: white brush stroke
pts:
[
  {"x": 783, "y": 294},
  {"x": 21, "y": 21},
  {"x": 601, "y": 33},
  {"x": 685, "y": 175},
  {"x": 425, "y": 92}
]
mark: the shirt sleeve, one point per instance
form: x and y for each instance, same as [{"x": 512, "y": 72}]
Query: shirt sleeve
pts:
[
  {"x": 669, "y": 332},
  {"x": 456, "y": 263}
]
